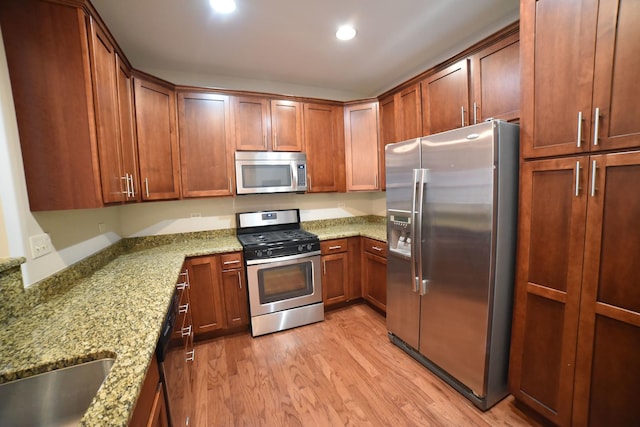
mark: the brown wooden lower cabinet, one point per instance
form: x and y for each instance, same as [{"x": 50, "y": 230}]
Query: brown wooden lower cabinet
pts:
[
  {"x": 219, "y": 298},
  {"x": 335, "y": 271},
  {"x": 576, "y": 324},
  {"x": 374, "y": 272},
  {"x": 150, "y": 410}
]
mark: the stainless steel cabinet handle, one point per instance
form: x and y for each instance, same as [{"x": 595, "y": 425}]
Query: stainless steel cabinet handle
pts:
[
  {"x": 376, "y": 185},
  {"x": 182, "y": 309},
  {"x": 335, "y": 247},
  {"x": 580, "y": 119},
  {"x": 596, "y": 126},
  {"x": 146, "y": 185},
  {"x": 235, "y": 261},
  {"x": 230, "y": 190},
  {"x": 239, "y": 280},
  {"x": 275, "y": 140},
  {"x": 324, "y": 267},
  {"x": 577, "y": 179},
  {"x": 376, "y": 248},
  {"x": 191, "y": 355},
  {"x": 462, "y": 111},
  {"x": 127, "y": 192},
  {"x": 309, "y": 181},
  {"x": 133, "y": 187},
  {"x": 594, "y": 167},
  {"x": 475, "y": 113}
]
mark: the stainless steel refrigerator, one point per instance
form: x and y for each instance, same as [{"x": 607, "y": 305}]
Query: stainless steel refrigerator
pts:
[{"x": 451, "y": 230}]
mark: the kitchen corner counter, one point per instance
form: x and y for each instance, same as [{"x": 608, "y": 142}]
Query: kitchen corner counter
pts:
[{"x": 115, "y": 308}]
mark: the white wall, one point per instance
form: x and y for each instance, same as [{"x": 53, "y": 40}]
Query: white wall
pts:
[
  {"x": 145, "y": 219},
  {"x": 4, "y": 241}
]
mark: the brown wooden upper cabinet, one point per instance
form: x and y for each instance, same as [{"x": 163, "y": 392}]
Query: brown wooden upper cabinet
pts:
[
  {"x": 128, "y": 143},
  {"x": 251, "y": 123},
  {"x": 112, "y": 94},
  {"x": 157, "y": 140},
  {"x": 361, "y": 146},
  {"x": 495, "y": 75},
  {"x": 286, "y": 125},
  {"x": 400, "y": 119},
  {"x": 206, "y": 144},
  {"x": 53, "y": 97},
  {"x": 579, "y": 76},
  {"x": 261, "y": 124},
  {"x": 445, "y": 99},
  {"x": 324, "y": 145}
]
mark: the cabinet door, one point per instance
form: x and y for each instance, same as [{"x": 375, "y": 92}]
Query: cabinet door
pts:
[
  {"x": 388, "y": 131},
  {"x": 361, "y": 146},
  {"x": 553, "y": 198},
  {"x": 445, "y": 99},
  {"x": 103, "y": 59},
  {"x": 335, "y": 275},
  {"x": 251, "y": 123},
  {"x": 608, "y": 364},
  {"x": 157, "y": 142},
  {"x": 286, "y": 125},
  {"x": 128, "y": 144},
  {"x": 409, "y": 115},
  {"x": 374, "y": 280},
  {"x": 496, "y": 81},
  {"x": 558, "y": 44},
  {"x": 206, "y": 150},
  {"x": 236, "y": 298},
  {"x": 324, "y": 145},
  {"x": 205, "y": 294},
  {"x": 47, "y": 52},
  {"x": 616, "y": 92}
]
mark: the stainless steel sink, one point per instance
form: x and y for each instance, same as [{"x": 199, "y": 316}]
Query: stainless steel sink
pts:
[{"x": 55, "y": 398}]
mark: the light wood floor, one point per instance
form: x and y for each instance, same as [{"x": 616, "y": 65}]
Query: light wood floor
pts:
[{"x": 340, "y": 372}]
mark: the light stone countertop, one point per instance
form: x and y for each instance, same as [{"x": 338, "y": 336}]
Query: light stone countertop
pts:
[{"x": 117, "y": 311}]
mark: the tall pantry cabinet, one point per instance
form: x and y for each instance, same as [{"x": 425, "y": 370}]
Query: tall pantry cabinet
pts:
[{"x": 576, "y": 330}]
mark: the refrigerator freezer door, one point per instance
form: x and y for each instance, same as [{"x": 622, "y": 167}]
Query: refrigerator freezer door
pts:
[
  {"x": 403, "y": 304},
  {"x": 457, "y": 252}
]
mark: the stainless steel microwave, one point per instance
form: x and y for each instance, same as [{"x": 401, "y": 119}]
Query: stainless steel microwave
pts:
[{"x": 270, "y": 172}]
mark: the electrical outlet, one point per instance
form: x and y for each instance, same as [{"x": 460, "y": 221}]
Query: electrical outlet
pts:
[
  {"x": 341, "y": 205},
  {"x": 101, "y": 227},
  {"x": 196, "y": 215},
  {"x": 40, "y": 245}
]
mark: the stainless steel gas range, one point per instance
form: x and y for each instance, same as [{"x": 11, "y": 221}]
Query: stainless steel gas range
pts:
[{"x": 283, "y": 270}]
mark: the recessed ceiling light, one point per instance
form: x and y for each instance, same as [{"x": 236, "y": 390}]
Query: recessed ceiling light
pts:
[
  {"x": 346, "y": 32},
  {"x": 223, "y": 6}
]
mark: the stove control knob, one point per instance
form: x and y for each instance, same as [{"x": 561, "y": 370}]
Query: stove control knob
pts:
[
  {"x": 300, "y": 248},
  {"x": 259, "y": 253},
  {"x": 309, "y": 246},
  {"x": 269, "y": 252}
]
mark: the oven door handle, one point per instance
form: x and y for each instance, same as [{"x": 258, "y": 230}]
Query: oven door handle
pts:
[{"x": 282, "y": 258}]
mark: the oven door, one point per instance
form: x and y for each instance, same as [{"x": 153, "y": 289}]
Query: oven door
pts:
[{"x": 282, "y": 283}]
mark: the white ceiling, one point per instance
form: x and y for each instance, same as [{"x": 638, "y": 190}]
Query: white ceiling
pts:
[{"x": 289, "y": 46}]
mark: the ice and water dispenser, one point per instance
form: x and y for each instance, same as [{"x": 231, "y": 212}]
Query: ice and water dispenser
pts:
[{"x": 399, "y": 234}]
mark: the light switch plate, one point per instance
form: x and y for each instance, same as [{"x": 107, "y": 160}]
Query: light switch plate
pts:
[{"x": 40, "y": 245}]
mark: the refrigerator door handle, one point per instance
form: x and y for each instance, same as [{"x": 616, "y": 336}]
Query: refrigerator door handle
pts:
[
  {"x": 419, "y": 282},
  {"x": 415, "y": 244}
]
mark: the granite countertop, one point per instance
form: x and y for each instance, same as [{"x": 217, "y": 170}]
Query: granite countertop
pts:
[{"x": 117, "y": 311}]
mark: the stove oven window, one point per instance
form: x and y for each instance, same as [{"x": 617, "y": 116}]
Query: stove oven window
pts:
[{"x": 285, "y": 282}]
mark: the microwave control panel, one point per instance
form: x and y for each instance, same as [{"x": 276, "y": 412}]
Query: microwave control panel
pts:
[{"x": 302, "y": 175}]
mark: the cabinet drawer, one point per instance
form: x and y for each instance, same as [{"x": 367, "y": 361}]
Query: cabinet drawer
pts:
[
  {"x": 232, "y": 260},
  {"x": 375, "y": 247},
  {"x": 333, "y": 246}
]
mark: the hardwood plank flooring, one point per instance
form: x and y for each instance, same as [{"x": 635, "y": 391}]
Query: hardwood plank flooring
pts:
[{"x": 340, "y": 372}]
